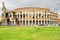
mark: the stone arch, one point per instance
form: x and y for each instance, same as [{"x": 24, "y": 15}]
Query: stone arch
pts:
[
  {"x": 26, "y": 22},
  {"x": 8, "y": 22},
  {"x": 33, "y": 22},
  {"x": 30, "y": 22},
  {"x": 36, "y": 22},
  {"x": 17, "y": 21},
  {"x": 6, "y": 15},
  {"x": 23, "y": 22}
]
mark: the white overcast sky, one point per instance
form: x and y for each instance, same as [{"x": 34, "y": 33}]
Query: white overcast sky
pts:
[{"x": 53, "y": 5}]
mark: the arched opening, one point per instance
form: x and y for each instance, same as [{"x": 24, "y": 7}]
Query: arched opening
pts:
[
  {"x": 8, "y": 22},
  {"x": 20, "y": 15},
  {"x": 14, "y": 15},
  {"x": 17, "y": 21},
  {"x": 37, "y": 22},
  {"x": 33, "y": 22},
  {"x": 6, "y": 15},
  {"x": 24, "y": 22},
  {"x": 48, "y": 22},
  {"x": 20, "y": 22},
  {"x": 43, "y": 23},
  {"x": 30, "y": 22},
  {"x": 23, "y": 15}
]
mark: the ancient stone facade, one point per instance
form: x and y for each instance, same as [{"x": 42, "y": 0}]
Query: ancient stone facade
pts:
[{"x": 28, "y": 16}]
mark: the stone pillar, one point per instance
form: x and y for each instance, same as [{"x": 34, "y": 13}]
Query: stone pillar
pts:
[
  {"x": 28, "y": 18},
  {"x": 19, "y": 16},
  {"x": 19, "y": 22},
  {"x": 19, "y": 19},
  {"x": 44, "y": 18},
  {"x": 41, "y": 17},
  {"x": 38, "y": 17},
  {"x": 5, "y": 22},
  {"x": 15, "y": 23},
  {"x": 35, "y": 17},
  {"x": 22, "y": 17},
  {"x": 25, "y": 17},
  {"x": 49, "y": 19},
  {"x": 25, "y": 22}
]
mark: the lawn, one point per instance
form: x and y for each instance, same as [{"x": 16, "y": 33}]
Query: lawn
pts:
[{"x": 29, "y": 33}]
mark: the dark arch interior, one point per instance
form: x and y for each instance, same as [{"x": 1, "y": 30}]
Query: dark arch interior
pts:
[
  {"x": 6, "y": 15},
  {"x": 8, "y": 21}
]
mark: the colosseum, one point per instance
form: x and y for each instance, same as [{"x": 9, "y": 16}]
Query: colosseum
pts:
[{"x": 28, "y": 16}]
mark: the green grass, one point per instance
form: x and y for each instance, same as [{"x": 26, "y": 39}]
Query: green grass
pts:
[{"x": 29, "y": 33}]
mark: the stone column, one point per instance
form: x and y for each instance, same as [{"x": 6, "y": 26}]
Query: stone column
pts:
[
  {"x": 22, "y": 17},
  {"x": 38, "y": 17},
  {"x": 14, "y": 22},
  {"x": 19, "y": 19},
  {"x": 41, "y": 17},
  {"x": 25, "y": 17},
  {"x": 49, "y": 19},
  {"x": 5, "y": 22},
  {"x": 28, "y": 18},
  {"x": 35, "y": 17},
  {"x": 19, "y": 16},
  {"x": 46, "y": 18}
]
